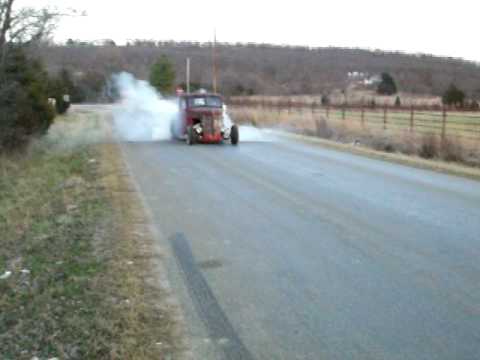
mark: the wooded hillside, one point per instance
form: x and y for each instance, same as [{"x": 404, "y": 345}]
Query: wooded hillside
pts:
[{"x": 266, "y": 69}]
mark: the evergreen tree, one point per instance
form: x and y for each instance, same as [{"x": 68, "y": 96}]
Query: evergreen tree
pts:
[
  {"x": 162, "y": 76},
  {"x": 453, "y": 96},
  {"x": 24, "y": 107},
  {"x": 387, "y": 86}
]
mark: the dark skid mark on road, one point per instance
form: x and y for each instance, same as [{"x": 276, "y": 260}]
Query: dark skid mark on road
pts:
[
  {"x": 206, "y": 305},
  {"x": 210, "y": 264}
]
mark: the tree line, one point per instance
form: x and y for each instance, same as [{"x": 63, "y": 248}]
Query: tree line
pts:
[{"x": 246, "y": 69}]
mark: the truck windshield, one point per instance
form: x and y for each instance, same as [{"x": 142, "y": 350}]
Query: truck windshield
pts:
[{"x": 205, "y": 101}]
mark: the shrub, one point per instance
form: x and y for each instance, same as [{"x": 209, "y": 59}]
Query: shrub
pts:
[
  {"x": 474, "y": 105},
  {"x": 452, "y": 150},
  {"x": 383, "y": 143},
  {"x": 429, "y": 147},
  {"x": 398, "y": 102},
  {"x": 323, "y": 130},
  {"x": 24, "y": 108},
  {"x": 325, "y": 100},
  {"x": 408, "y": 143}
]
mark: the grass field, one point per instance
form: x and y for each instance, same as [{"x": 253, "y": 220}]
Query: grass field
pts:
[
  {"x": 463, "y": 125},
  {"x": 460, "y": 124},
  {"x": 75, "y": 257}
]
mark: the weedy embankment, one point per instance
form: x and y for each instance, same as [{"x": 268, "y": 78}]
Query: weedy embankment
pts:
[{"x": 76, "y": 254}]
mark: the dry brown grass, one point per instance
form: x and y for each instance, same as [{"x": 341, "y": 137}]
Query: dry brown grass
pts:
[
  {"x": 151, "y": 328},
  {"x": 353, "y": 96},
  {"x": 76, "y": 242},
  {"x": 425, "y": 145}
]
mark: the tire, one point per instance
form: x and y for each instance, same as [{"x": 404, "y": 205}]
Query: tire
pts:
[
  {"x": 234, "y": 135},
  {"x": 191, "y": 137}
]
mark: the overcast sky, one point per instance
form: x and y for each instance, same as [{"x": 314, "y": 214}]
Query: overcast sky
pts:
[{"x": 438, "y": 27}]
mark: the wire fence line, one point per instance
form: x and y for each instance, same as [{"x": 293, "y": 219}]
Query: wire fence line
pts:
[{"x": 442, "y": 121}]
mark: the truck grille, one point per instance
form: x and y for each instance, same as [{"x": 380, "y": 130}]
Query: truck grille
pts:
[{"x": 208, "y": 125}]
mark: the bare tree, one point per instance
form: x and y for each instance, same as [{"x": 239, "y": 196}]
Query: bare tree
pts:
[
  {"x": 25, "y": 25},
  {"x": 5, "y": 20}
]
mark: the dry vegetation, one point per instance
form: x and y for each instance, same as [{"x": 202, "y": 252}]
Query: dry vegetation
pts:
[
  {"x": 424, "y": 145},
  {"x": 352, "y": 96},
  {"x": 75, "y": 257}
]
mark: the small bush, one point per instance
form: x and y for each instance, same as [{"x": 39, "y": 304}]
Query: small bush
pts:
[
  {"x": 323, "y": 130},
  {"x": 452, "y": 150},
  {"x": 383, "y": 143},
  {"x": 429, "y": 148},
  {"x": 325, "y": 100},
  {"x": 398, "y": 102},
  {"x": 408, "y": 144}
]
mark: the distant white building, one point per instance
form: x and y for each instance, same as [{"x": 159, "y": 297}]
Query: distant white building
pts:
[
  {"x": 372, "y": 80},
  {"x": 363, "y": 78}
]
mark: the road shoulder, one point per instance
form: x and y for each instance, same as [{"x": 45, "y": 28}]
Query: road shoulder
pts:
[{"x": 156, "y": 318}]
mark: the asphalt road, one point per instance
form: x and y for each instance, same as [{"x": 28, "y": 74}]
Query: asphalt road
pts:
[{"x": 282, "y": 250}]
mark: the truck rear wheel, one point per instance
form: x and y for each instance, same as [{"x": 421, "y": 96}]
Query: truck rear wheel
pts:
[{"x": 234, "y": 135}]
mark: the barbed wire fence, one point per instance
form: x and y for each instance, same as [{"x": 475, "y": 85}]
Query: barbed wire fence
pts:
[{"x": 443, "y": 121}]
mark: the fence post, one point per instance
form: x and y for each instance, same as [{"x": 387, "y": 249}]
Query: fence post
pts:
[
  {"x": 363, "y": 116},
  {"x": 317, "y": 127},
  {"x": 385, "y": 117},
  {"x": 444, "y": 123},
  {"x": 412, "y": 116}
]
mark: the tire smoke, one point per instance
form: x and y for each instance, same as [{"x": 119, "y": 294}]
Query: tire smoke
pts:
[{"x": 142, "y": 114}]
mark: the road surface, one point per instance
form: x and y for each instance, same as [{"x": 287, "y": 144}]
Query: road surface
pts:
[{"x": 282, "y": 250}]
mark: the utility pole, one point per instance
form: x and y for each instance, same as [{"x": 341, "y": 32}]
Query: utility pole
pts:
[
  {"x": 214, "y": 60},
  {"x": 188, "y": 76}
]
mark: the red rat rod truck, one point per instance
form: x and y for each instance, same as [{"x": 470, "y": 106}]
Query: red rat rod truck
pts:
[{"x": 203, "y": 119}]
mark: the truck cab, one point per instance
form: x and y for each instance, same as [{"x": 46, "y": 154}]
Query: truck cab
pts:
[{"x": 203, "y": 119}]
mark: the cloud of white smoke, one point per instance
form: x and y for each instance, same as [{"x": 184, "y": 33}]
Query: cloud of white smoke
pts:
[{"x": 142, "y": 114}]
